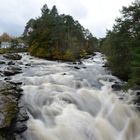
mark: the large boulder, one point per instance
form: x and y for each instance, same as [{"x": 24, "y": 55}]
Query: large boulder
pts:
[
  {"x": 2, "y": 62},
  {"x": 10, "y": 63},
  {"x": 12, "y": 70},
  {"x": 76, "y": 67},
  {"x": 8, "y": 103},
  {"x": 12, "y": 116},
  {"x": 116, "y": 86},
  {"x": 12, "y": 56}
]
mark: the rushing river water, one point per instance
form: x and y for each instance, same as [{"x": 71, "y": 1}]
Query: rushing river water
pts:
[{"x": 67, "y": 101}]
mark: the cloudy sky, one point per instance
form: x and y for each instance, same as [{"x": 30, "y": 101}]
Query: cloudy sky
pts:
[{"x": 96, "y": 15}]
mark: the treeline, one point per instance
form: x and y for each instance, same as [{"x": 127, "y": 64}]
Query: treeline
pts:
[
  {"x": 11, "y": 44},
  {"x": 58, "y": 36},
  {"x": 122, "y": 45},
  {"x": 15, "y": 41}
]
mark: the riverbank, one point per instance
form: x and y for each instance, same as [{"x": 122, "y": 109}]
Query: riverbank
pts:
[
  {"x": 13, "y": 115},
  {"x": 125, "y": 86},
  {"x": 12, "y": 50}
]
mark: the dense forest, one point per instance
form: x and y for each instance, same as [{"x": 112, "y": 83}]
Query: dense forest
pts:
[
  {"x": 122, "y": 45},
  {"x": 58, "y": 36}
]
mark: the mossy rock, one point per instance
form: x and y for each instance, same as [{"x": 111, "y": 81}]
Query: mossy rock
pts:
[
  {"x": 12, "y": 56},
  {"x": 8, "y": 112},
  {"x": 9, "y": 95}
]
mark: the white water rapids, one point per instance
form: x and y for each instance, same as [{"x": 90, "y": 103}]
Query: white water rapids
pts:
[{"x": 67, "y": 103}]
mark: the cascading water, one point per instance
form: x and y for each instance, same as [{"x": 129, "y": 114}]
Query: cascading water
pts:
[{"x": 68, "y": 101}]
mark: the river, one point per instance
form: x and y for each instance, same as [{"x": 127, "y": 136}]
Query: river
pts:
[{"x": 67, "y": 101}]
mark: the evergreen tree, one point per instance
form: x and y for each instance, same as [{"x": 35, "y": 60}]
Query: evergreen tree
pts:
[
  {"x": 55, "y": 36},
  {"x": 122, "y": 45}
]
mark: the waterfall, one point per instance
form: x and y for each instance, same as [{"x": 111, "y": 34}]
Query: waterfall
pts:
[{"x": 65, "y": 103}]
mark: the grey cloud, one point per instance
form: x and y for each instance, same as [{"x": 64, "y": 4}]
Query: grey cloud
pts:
[
  {"x": 11, "y": 28},
  {"x": 74, "y": 7},
  {"x": 15, "y": 13},
  {"x": 77, "y": 8},
  {"x": 96, "y": 15}
]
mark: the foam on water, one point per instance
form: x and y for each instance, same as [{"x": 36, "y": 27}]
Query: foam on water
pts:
[{"x": 65, "y": 103}]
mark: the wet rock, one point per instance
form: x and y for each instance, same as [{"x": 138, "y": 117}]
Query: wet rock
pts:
[
  {"x": 80, "y": 62},
  {"x": 137, "y": 100},
  {"x": 12, "y": 118},
  {"x": 11, "y": 63},
  {"x": 84, "y": 67},
  {"x": 2, "y": 62},
  {"x": 12, "y": 70},
  {"x": 4, "y": 86},
  {"x": 64, "y": 74},
  {"x": 20, "y": 63},
  {"x": 76, "y": 67},
  {"x": 8, "y": 104},
  {"x": 28, "y": 64},
  {"x": 7, "y": 78},
  {"x": 20, "y": 137},
  {"x": 12, "y": 56},
  {"x": 19, "y": 89},
  {"x": 20, "y": 127},
  {"x": 10, "y": 90},
  {"x": 22, "y": 115},
  {"x": 8, "y": 73},
  {"x": 116, "y": 86},
  {"x": 121, "y": 98},
  {"x": 138, "y": 93},
  {"x": 15, "y": 83},
  {"x": 74, "y": 63}
]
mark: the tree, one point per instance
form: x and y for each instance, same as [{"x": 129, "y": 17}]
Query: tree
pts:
[
  {"x": 45, "y": 10},
  {"x": 54, "y": 11},
  {"x": 5, "y": 38},
  {"x": 122, "y": 45},
  {"x": 55, "y": 36}
]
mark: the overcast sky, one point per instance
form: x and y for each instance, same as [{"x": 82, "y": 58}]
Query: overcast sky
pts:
[{"x": 96, "y": 15}]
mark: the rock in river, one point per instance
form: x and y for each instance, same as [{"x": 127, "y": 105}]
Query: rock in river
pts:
[
  {"x": 12, "y": 70},
  {"x": 116, "y": 86},
  {"x": 12, "y": 56},
  {"x": 2, "y": 62},
  {"x": 11, "y": 63}
]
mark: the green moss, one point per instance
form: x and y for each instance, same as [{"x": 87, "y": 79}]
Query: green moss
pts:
[{"x": 10, "y": 110}]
